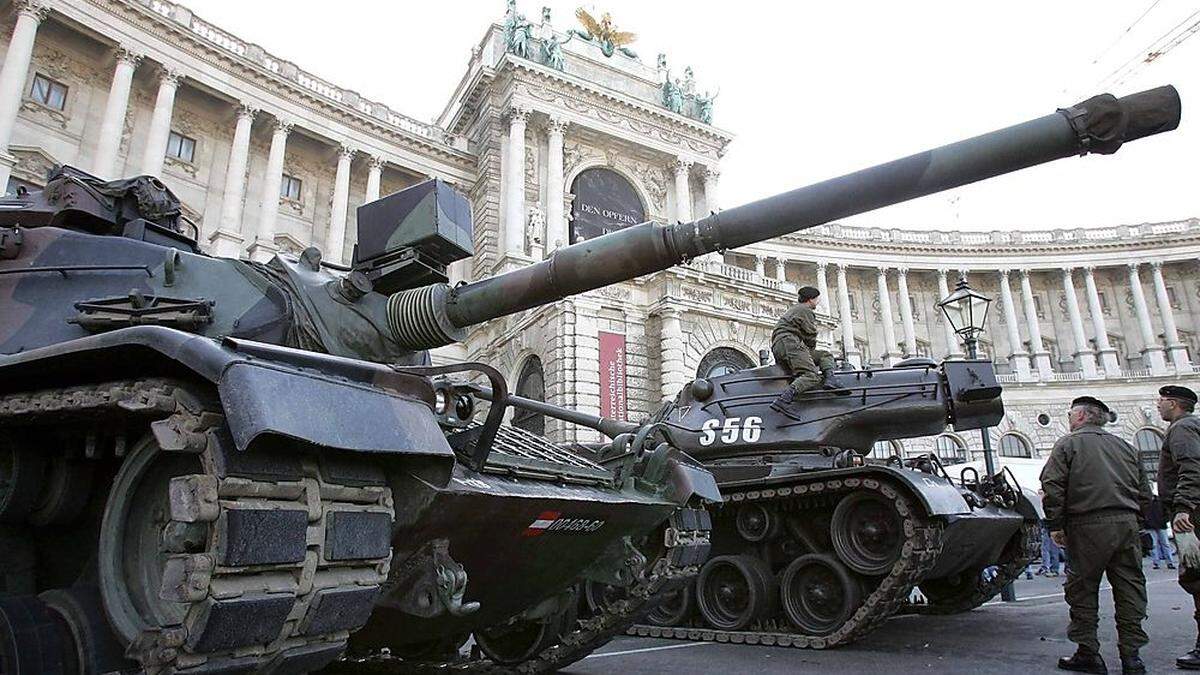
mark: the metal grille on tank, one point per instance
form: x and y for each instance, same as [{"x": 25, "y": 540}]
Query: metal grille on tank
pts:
[{"x": 521, "y": 451}]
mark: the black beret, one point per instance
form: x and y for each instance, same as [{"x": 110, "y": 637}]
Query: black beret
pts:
[
  {"x": 1176, "y": 391},
  {"x": 1090, "y": 400},
  {"x": 807, "y": 293}
]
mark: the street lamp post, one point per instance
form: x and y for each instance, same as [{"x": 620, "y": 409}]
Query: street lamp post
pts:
[{"x": 966, "y": 309}]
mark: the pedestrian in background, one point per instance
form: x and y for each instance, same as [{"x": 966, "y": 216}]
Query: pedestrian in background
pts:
[
  {"x": 1096, "y": 490},
  {"x": 1160, "y": 543},
  {"x": 1179, "y": 486}
]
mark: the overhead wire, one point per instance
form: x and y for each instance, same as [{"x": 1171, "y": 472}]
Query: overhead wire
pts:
[
  {"x": 1122, "y": 72},
  {"x": 1125, "y": 33}
]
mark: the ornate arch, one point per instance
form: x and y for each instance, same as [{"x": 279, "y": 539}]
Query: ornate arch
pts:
[{"x": 1026, "y": 444}]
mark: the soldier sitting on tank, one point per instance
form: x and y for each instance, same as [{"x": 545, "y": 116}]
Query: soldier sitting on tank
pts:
[{"x": 794, "y": 346}]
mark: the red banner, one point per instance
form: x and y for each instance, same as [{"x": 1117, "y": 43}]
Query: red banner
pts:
[{"x": 612, "y": 376}]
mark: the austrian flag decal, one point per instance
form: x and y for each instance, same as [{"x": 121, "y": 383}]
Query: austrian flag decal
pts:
[{"x": 552, "y": 521}]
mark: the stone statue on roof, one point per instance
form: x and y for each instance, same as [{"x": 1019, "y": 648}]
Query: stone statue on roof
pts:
[{"x": 517, "y": 31}]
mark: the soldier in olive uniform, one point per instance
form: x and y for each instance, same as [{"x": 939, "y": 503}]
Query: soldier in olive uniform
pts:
[
  {"x": 794, "y": 346},
  {"x": 1179, "y": 485},
  {"x": 1096, "y": 489}
]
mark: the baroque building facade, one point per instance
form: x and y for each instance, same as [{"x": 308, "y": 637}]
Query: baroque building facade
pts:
[{"x": 558, "y": 136}]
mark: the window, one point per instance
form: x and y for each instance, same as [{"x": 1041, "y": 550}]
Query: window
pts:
[
  {"x": 531, "y": 384},
  {"x": 1172, "y": 297},
  {"x": 1149, "y": 441},
  {"x": 181, "y": 147},
  {"x": 289, "y": 187},
  {"x": 884, "y": 450},
  {"x": 1013, "y": 445},
  {"x": 1103, "y": 303},
  {"x": 853, "y": 303},
  {"x": 723, "y": 361},
  {"x": 864, "y": 349},
  {"x": 950, "y": 449},
  {"x": 1037, "y": 307},
  {"x": 48, "y": 92},
  {"x": 915, "y": 307}
]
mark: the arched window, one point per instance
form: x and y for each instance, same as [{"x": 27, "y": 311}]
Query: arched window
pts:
[
  {"x": 723, "y": 361},
  {"x": 950, "y": 449},
  {"x": 1148, "y": 441},
  {"x": 531, "y": 383},
  {"x": 883, "y": 450},
  {"x": 1014, "y": 445},
  {"x": 604, "y": 201}
]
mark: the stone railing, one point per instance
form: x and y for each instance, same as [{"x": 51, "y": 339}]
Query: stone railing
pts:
[
  {"x": 1009, "y": 237},
  {"x": 289, "y": 71},
  {"x": 736, "y": 273}
]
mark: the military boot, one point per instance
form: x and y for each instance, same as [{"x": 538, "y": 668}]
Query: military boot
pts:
[
  {"x": 1131, "y": 664},
  {"x": 1084, "y": 661},
  {"x": 1190, "y": 660},
  {"x": 784, "y": 400},
  {"x": 831, "y": 382}
]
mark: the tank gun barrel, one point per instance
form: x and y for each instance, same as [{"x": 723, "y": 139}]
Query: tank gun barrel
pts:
[{"x": 1098, "y": 125}]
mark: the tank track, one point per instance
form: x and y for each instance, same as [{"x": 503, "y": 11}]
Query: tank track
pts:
[
  {"x": 921, "y": 549},
  {"x": 685, "y": 547},
  {"x": 1007, "y": 571},
  {"x": 254, "y": 603}
]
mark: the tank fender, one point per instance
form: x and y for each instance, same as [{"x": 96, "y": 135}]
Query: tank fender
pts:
[
  {"x": 1029, "y": 505},
  {"x": 939, "y": 496},
  {"x": 688, "y": 479},
  {"x": 346, "y": 404}
]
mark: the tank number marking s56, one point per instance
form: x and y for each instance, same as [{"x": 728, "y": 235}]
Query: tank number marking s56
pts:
[
  {"x": 733, "y": 429},
  {"x": 552, "y": 521}
]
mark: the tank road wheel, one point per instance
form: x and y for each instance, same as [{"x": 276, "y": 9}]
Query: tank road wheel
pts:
[
  {"x": 756, "y": 523},
  {"x": 674, "y": 609},
  {"x": 21, "y": 474},
  {"x": 521, "y": 640},
  {"x": 96, "y": 648},
  {"x": 734, "y": 591},
  {"x": 132, "y": 551},
  {"x": 867, "y": 533},
  {"x": 818, "y": 594},
  {"x": 34, "y": 640},
  {"x": 598, "y": 596}
]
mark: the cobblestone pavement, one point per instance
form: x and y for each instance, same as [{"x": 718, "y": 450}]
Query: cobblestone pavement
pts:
[{"x": 1022, "y": 637}]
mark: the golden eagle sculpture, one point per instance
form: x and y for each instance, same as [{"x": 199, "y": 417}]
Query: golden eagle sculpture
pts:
[{"x": 604, "y": 34}]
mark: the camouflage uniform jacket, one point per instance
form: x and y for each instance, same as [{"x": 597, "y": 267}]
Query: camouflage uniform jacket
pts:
[
  {"x": 801, "y": 321},
  {"x": 1179, "y": 466},
  {"x": 1091, "y": 470}
]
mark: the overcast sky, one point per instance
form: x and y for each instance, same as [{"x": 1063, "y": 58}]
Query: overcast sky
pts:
[{"x": 814, "y": 90}]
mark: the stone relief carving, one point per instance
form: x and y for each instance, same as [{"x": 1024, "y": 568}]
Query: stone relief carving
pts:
[
  {"x": 697, "y": 294},
  {"x": 655, "y": 183},
  {"x": 57, "y": 117}
]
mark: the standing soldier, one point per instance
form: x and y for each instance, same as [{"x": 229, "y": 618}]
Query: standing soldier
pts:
[
  {"x": 1179, "y": 486},
  {"x": 1096, "y": 490},
  {"x": 794, "y": 346}
]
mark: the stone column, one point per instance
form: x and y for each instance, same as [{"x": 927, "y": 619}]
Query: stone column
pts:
[
  {"x": 683, "y": 190},
  {"x": 953, "y": 349},
  {"x": 228, "y": 237},
  {"x": 822, "y": 285},
  {"x": 30, "y": 14},
  {"x": 1177, "y": 350},
  {"x": 335, "y": 241},
  {"x": 846, "y": 318},
  {"x": 885, "y": 313},
  {"x": 1108, "y": 355},
  {"x": 1152, "y": 352},
  {"x": 671, "y": 347},
  {"x": 374, "y": 176},
  {"x": 1018, "y": 359},
  {"x": 712, "y": 187},
  {"x": 1041, "y": 357},
  {"x": 1083, "y": 352},
  {"x": 514, "y": 183},
  {"x": 264, "y": 245},
  {"x": 160, "y": 123},
  {"x": 556, "y": 223},
  {"x": 113, "y": 123},
  {"x": 906, "y": 316}
]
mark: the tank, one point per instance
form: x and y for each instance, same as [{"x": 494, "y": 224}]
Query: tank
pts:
[{"x": 214, "y": 465}]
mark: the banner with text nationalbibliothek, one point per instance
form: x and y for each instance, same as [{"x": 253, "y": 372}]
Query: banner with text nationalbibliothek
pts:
[{"x": 612, "y": 376}]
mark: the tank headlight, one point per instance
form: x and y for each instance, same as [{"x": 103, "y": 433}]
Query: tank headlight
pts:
[
  {"x": 464, "y": 407},
  {"x": 440, "y": 401}
]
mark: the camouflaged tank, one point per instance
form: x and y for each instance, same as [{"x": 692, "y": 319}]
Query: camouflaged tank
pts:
[{"x": 214, "y": 465}]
